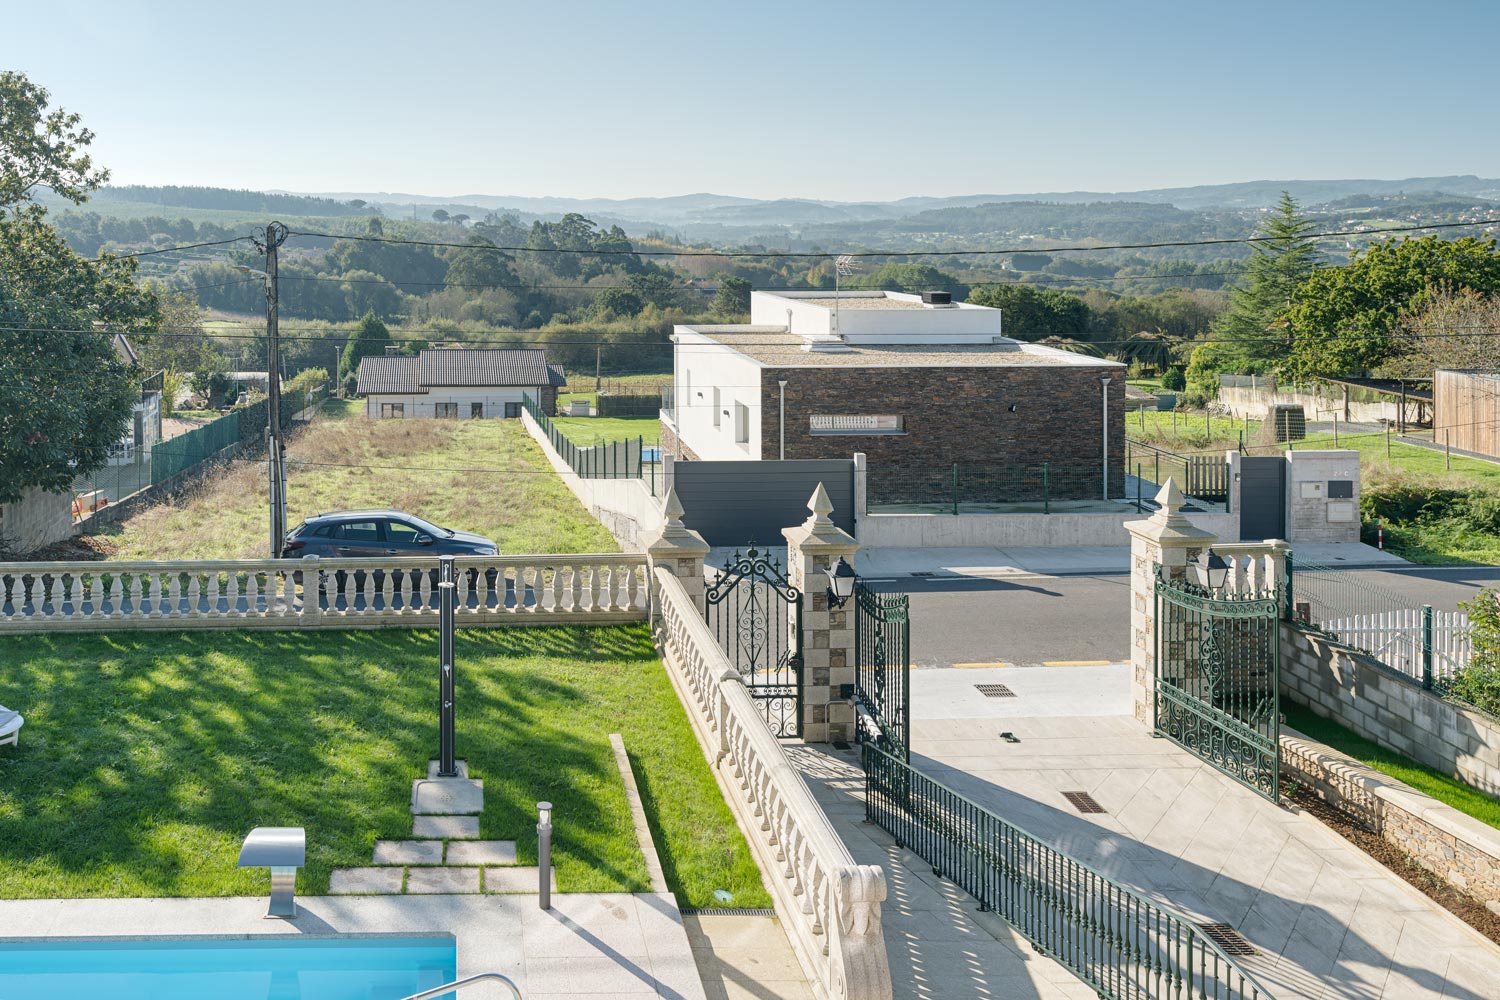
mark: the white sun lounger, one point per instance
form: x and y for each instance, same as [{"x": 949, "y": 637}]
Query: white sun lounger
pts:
[{"x": 10, "y": 726}]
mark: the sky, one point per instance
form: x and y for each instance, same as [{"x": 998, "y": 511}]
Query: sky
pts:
[{"x": 825, "y": 99}]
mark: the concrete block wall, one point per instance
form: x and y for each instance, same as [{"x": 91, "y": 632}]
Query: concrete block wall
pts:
[
  {"x": 1360, "y": 694},
  {"x": 1458, "y": 848},
  {"x": 1311, "y": 515}
]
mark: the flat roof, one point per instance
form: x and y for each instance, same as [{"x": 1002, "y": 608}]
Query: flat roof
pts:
[
  {"x": 773, "y": 347},
  {"x": 846, "y": 301}
]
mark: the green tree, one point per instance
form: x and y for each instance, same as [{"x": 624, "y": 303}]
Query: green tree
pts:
[
  {"x": 65, "y": 394},
  {"x": 732, "y": 298},
  {"x": 1279, "y": 265},
  {"x": 371, "y": 337},
  {"x": 1345, "y": 319},
  {"x": 439, "y": 215},
  {"x": 1173, "y": 379},
  {"x": 616, "y": 302},
  {"x": 1029, "y": 313}
]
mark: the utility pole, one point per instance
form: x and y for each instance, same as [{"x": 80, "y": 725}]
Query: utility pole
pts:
[
  {"x": 275, "y": 235},
  {"x": 598, "y": 363}
]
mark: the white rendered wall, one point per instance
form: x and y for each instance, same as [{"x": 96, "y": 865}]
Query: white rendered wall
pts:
[
  {"x": 701, "y": 365},
  {"x": 962, "y": 323},
  {"x": 425, "y": 404}
]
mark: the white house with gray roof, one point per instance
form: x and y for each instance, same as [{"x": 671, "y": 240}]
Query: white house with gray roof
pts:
[{"x": 457, "y": 383}]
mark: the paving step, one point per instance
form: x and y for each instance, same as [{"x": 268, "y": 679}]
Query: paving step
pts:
[
  {"x": 514, "y": 880},
  {"x": 359, "y": 881},
  {"x": 482, "y": 852},
  {"x": 426, "y": 881},
  {"x": 446, "y": 827},
  {"x": 408, "y": 852}
]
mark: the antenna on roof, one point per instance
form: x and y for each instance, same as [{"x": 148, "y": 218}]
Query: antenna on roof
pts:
[{"x": 843, "y": 267}]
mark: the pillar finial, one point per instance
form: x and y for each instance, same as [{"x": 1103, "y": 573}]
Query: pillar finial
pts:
[
  {"x": 820, "y": 506},
  {"x": 673, "y": 509}
]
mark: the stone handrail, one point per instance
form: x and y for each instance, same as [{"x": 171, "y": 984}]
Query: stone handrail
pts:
[
  {"x": 357, "y": 592},
  {"x": 830, "y": 905},
  {"x": 1254, "y": 566}
]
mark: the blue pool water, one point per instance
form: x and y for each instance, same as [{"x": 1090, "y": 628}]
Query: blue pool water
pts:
[{"x": 226, "y": 969}]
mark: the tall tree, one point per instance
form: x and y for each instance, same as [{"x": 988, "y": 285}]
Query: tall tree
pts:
[
  {"x": 371, "y": 337},
  {"x": 732, "y": 298},
  {"x": 1451, "y": 328},
  {"x": 1280, "y": 262},
  {"x": 65, "y": 395},
  {"x": 1030, "y": 313}
]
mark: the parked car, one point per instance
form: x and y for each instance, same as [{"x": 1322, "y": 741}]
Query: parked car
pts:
[{"x": 382, "y": 532}]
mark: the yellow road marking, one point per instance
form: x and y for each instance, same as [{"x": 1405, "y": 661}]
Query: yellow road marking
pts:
[
  {"x": 1076, "y": 663},
  {"x": 976, "y": 666}
]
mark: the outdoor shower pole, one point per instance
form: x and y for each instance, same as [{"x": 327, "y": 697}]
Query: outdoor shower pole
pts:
[
  {"x": 1104, "y": 433},
  {"x": 447, "y": 767},
  {"x": 782, "y": 383}
]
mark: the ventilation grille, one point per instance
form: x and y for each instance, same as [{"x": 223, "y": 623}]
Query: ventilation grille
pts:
[
  {"x": 732, "y": 911},
  {"x": 1228, "y": 938},
  {"x": 1083, "y": 802},
  {"x": 994, "y": 690}
]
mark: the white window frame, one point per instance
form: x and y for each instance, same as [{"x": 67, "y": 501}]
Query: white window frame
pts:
[
  {"x": 824, "y": 424},
  {"x": 392, "y": 411},
  {"x": 445, "y": 411}
]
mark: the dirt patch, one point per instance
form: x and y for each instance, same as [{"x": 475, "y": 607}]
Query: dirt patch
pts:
[
  {"x": 82, "y": 548},
  {"x": 1465, "y": 907}
]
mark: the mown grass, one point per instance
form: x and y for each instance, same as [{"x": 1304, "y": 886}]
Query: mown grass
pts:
[
  {"x": 582, "y": 386},
  {"x": 1449, "y": 791},
  {"x": 486, "y": 476},
  {"x": 147, "y": 757},
  {"x": 586, "y": 431}
]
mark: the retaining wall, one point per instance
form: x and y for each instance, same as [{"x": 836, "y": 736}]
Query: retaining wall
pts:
[
  {"x": 625, "y": 507},
  {"x": 36, "y": 520},
  {"x": 1363, "y": 695}
]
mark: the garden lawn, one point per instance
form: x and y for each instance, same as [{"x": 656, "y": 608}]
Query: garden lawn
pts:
[
  {"x": 486, "y": 476},
  {"x": 586, "y": 431},
  {"x": 581, "y": 386},
  {"x": 1450, "y": 791},
  {"x": 147, "y": 757}
]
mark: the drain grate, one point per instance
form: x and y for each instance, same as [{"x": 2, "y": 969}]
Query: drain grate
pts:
[
  {"x": 842, "y": 745},
  {"x": 924, "y": 573},
  {"x": 1227, "y": 938},
  {"x": 1083, "y": 802},
  {"x": 732, "y": 911},
  {"x": 994, "y": 690}
]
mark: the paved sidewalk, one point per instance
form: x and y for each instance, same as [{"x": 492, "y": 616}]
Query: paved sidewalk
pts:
[
  {"x": 1328, "y": 920},
  {"x": 939, "y": 946}
]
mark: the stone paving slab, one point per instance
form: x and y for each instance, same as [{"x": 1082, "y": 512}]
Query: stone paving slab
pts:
[
  {"x": 421, "y": 881},
  {"x": 354, "y": 881},
  {"x": 408, "y": 852},
  {"x": 446, "y": 827},
  {"x": 515, "y": 880},
  {"x": 447, "y": 796},
  {"x": 482, "y": 852}
]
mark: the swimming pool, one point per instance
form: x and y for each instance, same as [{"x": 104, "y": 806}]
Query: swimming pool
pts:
[{"x": 279, "y": 968}]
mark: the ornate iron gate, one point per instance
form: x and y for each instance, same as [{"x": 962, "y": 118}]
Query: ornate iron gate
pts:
[
  {"x": 757, "y": 617},
  {"x": 882, "y": 664},
  {"x": 1218, "y": 679}
]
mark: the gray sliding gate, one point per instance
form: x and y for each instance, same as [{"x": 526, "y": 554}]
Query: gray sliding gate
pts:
[{"x": 748, "y": 503}]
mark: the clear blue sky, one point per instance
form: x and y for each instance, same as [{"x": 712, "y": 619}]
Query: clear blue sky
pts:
[{"x": 769, "y": 99}]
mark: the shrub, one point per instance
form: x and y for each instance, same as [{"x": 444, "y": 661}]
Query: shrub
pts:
[
  {"x": 1193, "y": 399},
  {"x": 1479, "y": 682},
  {"x": 1412, "y": 500},
  {"x": 1173, "y": 379}
]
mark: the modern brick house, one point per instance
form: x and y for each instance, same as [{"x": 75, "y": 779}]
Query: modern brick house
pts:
[
  {"x": 459, "y": 384},
  {"x": 917, "y": 383}
]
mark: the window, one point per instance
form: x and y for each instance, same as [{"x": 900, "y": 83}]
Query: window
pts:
[
  {"x": 741, "y": 423},
  {"x": 476, "y": 410},
  {"x": 360, "y": 531},
  {"x": 388, "y": 410},
  {"x": 856, "y": 424},
  {"x": 513, "y": 410},
  {"x": 401, "y": 533},
  {"x": 717, "y": 405},
  {"x": 449, "y": 410}
]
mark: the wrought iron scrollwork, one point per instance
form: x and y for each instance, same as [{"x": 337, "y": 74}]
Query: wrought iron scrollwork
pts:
[{"x": 756, "y": 614}]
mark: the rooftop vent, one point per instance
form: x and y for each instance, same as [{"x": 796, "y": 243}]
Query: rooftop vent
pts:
[{"x": 937, "y": 298}]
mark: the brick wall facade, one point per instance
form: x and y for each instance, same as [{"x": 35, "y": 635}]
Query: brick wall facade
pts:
[
  {"x": 672, "y": 445},
  {"x": 1350, "y": 688},
  {"x": 960, "y": 416}
]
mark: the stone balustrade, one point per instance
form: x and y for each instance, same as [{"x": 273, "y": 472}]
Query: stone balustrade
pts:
[
  {"x": 1254, "y": 567},
  {"x": 830, "y": 905},
  {"x": 354, "y": 592}
]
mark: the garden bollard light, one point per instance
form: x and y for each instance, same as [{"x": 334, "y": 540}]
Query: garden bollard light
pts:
[{"x": 544, "y": 854}]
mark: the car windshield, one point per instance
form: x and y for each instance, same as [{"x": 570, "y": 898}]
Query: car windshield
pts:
[{"x": 426, "y": 527}]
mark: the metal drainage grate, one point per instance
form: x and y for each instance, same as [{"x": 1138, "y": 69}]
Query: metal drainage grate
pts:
[
  {"x": 1228, "y": 938},
  {"x": 732, "y": 911},
  {"x": 924, "y": 573},
  {"x": 994, "y": 690},
  {"x": 1083, "y": 802}
]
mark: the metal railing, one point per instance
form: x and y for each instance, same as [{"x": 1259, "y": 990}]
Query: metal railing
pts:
[
  {"x": 459, "y": 984},
  {"x": 1202, "y": 477},
  {"x": 622, "y": 459},
  {"x": 1123, "y": 945}
]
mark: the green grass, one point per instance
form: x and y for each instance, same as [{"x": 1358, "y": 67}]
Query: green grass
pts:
[
  {"x": 1449, "y": 791},
  {"x": 585, "y": 431},
  {"x": 486, "y": 476},
  {"x": 582, "y": 386},
  {"x": 1444, "y": 542},
  {"x": 1182, "y": 431},
  {"x": 1408, "y": 458},
  {"x": 148, "y": 756}
]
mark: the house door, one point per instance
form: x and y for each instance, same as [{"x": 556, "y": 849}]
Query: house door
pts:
[
  {"x": 476, "y": 411},
  {"x": 513, "y": 411},
  {"x": 1262, "y": 498}
]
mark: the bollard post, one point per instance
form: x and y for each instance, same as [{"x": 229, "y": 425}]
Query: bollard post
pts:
[{"x": 544, "y": 854}]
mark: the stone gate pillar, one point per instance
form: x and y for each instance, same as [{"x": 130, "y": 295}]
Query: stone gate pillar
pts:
[
  {"x": 679, "y": 550},
  {"x": 1167, "y": 539},
  {"x": 827, "y": 633}
]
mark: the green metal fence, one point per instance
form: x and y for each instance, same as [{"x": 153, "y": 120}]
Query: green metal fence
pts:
[
  {"x": 882, "y": 666},
  {"x": 624, "y": 459},
  {"x": 1123, "y": 945}
]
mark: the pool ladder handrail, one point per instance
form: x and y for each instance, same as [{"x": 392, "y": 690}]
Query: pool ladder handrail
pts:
[{"x": 458, "y": 984}]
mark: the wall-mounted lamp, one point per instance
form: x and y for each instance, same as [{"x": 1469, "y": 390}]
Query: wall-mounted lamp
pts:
[
  {"x": 1012, "y": 408},
  {"x": 840, "y": 583},
  {"x": 1211, "y": 570}
]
